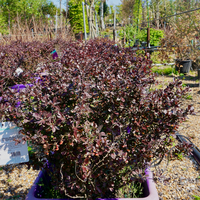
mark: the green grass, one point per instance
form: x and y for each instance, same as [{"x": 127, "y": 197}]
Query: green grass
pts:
[
  {"x": 163, "y": 71},
  {"x": 166, "y": 71}
]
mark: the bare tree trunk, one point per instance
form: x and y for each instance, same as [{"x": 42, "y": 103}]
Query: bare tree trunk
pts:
[
  {"x": 87, "y": 13},
  {"x": 102, "y": 22},
  {"x": 34, "y": 26},
  {"x": 157, "y": 14},
  {"x": 66, "y": 9},
  {"x": 91, "y": 17},
  {"x": 60, "y": 15},
  {"x": 9, "y": 21}
]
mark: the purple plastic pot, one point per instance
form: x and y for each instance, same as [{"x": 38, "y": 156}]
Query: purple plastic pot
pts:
[{"x": 150, "y": 191}]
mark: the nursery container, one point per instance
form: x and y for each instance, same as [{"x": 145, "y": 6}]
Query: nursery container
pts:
[
  {"x": 183, "y": 66},
  {"x": 149, "y": 190}
]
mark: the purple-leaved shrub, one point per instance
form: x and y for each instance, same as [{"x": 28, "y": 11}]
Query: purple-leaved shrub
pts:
[{"x": 94, "y": 117}]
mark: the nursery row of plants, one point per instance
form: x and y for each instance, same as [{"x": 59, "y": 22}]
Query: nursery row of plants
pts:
[{"x": 90, "y": 113}]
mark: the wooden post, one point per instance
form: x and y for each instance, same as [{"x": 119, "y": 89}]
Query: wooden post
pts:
[
  {"x": 81, "y": 35},
  {"x": 114, "y": 34}
]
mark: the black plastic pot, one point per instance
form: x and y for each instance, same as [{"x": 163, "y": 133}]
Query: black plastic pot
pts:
[
  {"x": 137, "y": 42},
  {"x": 79, "y": 36},
  {"x": 195, "y": 151},
  {"x": 183, "y": 66},
  {"x": 144, "y": 44},
  {"x": 198, "y": 74}
]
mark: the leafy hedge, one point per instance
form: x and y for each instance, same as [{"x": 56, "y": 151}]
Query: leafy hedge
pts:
[{"x": 132, "y": 35}]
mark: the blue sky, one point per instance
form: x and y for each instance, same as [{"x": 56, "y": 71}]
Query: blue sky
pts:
[{"x": 109, "y": 2}]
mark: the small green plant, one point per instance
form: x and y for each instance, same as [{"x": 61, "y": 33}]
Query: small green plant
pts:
[
  {"x": 140, "y": 52},
  {"x": 131, "y": 190},
  {"x": 179, "y": 156},
  {"x": 9, "y": 180},
  {"x": 196, "y": 197},
  {"x": 155, "y": 36},
  {"x": 184, "y": 85},
  {"x": 173, "y": 141},
  {"x": 131, "y": 34},
  {"x": 16, "y": 196},
  {"x": 189, "y": 97},
  {"x": 156, "y": 58},
  {"x": 164, "y": 71}
]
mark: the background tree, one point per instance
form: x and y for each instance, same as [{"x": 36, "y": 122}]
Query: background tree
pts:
[
  {"x": 49, "y": 9},
  {"x": 76, "y": 16},
  {"x": 127, "y": 7},
  {"x": 25, "y": 11},
  {"x": 137, "y": 14},
  {"x": 105, "y": 8},
  {"x": 3, "y": 25}
]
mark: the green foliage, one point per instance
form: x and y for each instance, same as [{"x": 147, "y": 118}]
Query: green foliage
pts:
[
  {"x": 179, "y": 156},
  {"x": 23, "y": 10},
  {"x": 189, "y": 97},
  {"x": 184, "y": 85},
  {"x": 196, "y": 197},
  {"x": 164, "y": 71},
  {"x": 132, "y": 190},
  {"x": 105, "y": 8},
  {"x": 137, "y": 13},
  {"x": 129, "y": 32},
  {"x": 3, "y": 25},
  {"x": 156, "y": 58},
  {"x": 76, "y": 16},
  {"x": 49, "y": 8},
  {"x": 131, "y": 35},
  {"x": 104, "y": 33},
  {"x": 155, "y": 36}
]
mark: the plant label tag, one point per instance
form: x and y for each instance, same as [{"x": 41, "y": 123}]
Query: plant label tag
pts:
[{"x": 10, "y": 153}]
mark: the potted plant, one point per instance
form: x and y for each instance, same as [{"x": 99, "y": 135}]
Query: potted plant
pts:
[
  {"x": 94, "y": 121},
  {"x": 147, "y": 190},
  {"x": 180, "y": 41}
]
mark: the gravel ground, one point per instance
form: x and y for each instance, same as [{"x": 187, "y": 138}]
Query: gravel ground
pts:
[
  {"x": 15, "y": 181},
  {"x": 178, "y": 181}
]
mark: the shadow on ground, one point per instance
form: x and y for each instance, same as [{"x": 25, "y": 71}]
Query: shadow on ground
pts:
[{"x": 10, "y": 193}]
